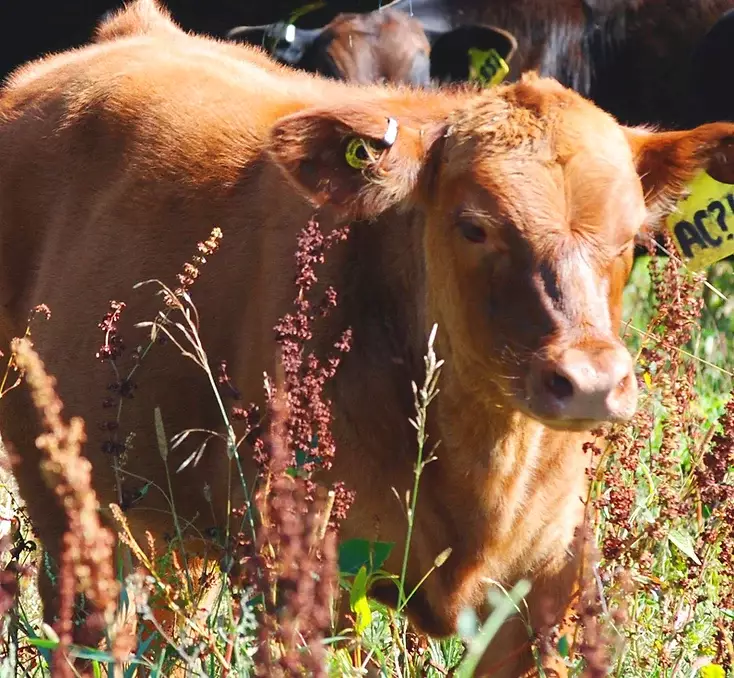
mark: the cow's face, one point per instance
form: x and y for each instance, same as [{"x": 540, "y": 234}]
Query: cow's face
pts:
[
  {"x": 531, "y": 198},
  {"x": 529, "y": 242}
]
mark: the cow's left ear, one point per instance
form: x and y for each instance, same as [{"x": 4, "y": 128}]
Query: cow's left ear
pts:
[
  {"x": 667, "y": 161},
  {"x": 358, "y": 159}
]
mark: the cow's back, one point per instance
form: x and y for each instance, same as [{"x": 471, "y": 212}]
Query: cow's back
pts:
[{"x": 114, "y": 167}]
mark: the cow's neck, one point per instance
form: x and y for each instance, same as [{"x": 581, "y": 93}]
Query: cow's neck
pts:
[
  {"x": 488, "y": 456},
  {"x": 493, "y": 452},
  {"x": 484, "y": 445}
]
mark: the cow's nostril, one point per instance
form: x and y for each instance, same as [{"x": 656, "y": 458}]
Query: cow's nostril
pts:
[
  {"x": 584, "y": 385},
  {"x": 558, "y": 386}
]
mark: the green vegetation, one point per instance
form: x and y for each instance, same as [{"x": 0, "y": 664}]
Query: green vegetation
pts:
[{"x": 657, "y": 594}]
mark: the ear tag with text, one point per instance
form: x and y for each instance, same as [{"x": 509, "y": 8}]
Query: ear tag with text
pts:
[
  {"x": 702, "y": 224},
  {"x": 487, "y": 67}
]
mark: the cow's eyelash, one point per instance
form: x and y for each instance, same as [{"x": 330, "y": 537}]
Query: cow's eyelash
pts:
[{"x": 471, "y": 231}]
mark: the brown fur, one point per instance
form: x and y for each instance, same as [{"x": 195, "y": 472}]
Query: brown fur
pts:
[
  {"x": 117, "y": 158},
  {"x": 136, "y": 18},
  {"x": 146, "y": 18},
  {"x": 377, "y": 47}
]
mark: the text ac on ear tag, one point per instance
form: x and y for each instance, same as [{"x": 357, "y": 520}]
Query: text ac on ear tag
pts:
[
  {"x": 486, "y": 67},
  {"x": 702, "y": 224}
]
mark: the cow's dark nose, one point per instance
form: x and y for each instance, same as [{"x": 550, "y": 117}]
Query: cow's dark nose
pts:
[{"x": 585, "y": 385}]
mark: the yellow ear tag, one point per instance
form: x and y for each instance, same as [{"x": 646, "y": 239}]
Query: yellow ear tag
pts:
[
  {"x": 702, "y": 224},
  {"x": 487, "y": 68},
  {"x": 359, "y": 154}
]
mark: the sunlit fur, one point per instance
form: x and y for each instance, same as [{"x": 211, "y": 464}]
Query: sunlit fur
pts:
[{"x": 118, "y": 157}]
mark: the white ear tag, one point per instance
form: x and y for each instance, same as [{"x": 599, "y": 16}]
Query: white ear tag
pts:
[{"x": 392, "y": 132}]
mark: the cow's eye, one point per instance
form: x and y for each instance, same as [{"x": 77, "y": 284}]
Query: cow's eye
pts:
[{"x": 472, "y": 232}]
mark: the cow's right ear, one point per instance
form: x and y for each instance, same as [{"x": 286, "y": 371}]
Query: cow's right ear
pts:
[
  {"x": 667, "y": 161},
  {"x": 357, "y": 159}
]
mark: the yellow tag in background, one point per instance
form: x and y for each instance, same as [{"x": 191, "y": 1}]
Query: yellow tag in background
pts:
[
  {"x": 487, "y": 67},
  {"x": 702, "y": 225}
]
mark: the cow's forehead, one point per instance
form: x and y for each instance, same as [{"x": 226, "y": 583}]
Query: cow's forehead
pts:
[
  {"x": 587, "y": 196},
  {"x": 558, "y": 166}
]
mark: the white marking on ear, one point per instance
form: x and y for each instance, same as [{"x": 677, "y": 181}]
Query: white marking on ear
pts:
[
  {"x": 392, "y": 132},
  {"x": 290, "y": 33}
]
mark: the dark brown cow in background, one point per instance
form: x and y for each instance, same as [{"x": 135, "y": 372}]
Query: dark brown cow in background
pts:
[
  {"x": 550, "y": 35},
  {"x": 386, "y": 45},
  {"x": 632, "y": 57},
  {"x": 642, "y": 60},
  {"x": 507, "y": 216},
  {"x": 382, "y": 46}
]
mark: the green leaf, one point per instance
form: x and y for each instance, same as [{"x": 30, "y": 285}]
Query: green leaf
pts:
[
  {"x": 79, "y": 652},
  {"x": 712, "y": 671},
  {"x": 563, "y": 647},
  {"x": 358, "y": 601},
  {"x": 359, "y": 587},
  {"x": 354, "y": 553},
  {"x": 39, "y": 642},
  {"x": 43, "y": 643},
  {"x": 364, "y": 615},
  {"x": 477, "y": 646},
  {"x": 684, "y": 542},
  {"x": 91, "y": 654}
]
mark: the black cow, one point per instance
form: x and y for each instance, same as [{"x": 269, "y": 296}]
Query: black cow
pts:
[{"x": 711, "y": 96}]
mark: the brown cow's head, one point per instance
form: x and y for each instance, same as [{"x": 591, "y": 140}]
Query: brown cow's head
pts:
[
  {"x": 532, "y": 198},
  {"x": 373, "y": 47},
  {"x": 385, "y": 45}
]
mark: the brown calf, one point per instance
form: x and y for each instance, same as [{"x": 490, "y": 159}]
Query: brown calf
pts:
[{"x": 506, "y": 216}]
